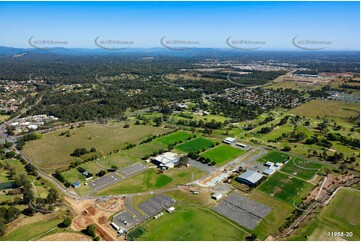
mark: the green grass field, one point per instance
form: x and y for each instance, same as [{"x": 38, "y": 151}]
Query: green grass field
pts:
[
  {"x": 286, "y": 188},
  {"x": 223, "y": 153},
  {"x": 301, "y": 168},
  {"x": 341, "y": 215},
  {"x": 31, "y": 230},
  {"x": 53, "y": 151},
  {"x": 191, "y": 223},
  {"x": 327, "y": 108},
  {"x": 275, "y": 219},
  {"x": 174, "y": 138},
  {"x": 149, "y": 180},
  {"x": 73, "y": 175},
  {"x": 195, "y": 145},
  {"x": 274, "y": 156}
]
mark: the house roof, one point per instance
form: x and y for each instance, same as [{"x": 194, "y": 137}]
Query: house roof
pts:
[{"x": 251, "y": 176}]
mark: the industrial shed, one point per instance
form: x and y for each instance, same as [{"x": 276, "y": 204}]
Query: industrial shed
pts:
[{"x": 250, "y": 178}]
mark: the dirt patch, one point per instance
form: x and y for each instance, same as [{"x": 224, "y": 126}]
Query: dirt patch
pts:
[
  {"x": 92, "y": 210},
  {"x": 113, "y": 204},
  {"x": 102, "y": 220},
  {"x": 207, "y": 179},
  {"x": 66, "y": 237},
  {"x": 88, "y": 213}
]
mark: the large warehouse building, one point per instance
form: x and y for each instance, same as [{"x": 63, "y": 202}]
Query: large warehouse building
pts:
[{"x": 250, "y": 178}]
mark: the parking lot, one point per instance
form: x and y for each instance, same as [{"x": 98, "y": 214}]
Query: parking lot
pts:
[
  {"x": 156, "y": 204},
  {"x": 117, "y": 176},
  {"x": 104, "y": 181},
  {"x": 132, "y": 169},
  {"x": 124, "y": 220},
  {"x": 242, "y": 210}
]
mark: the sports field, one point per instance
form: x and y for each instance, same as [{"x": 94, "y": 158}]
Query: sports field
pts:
[
  {"x": 284, "y": 187},
  {"x": 53, "y": 151},
  {"x": 174, "y": 138},
  {"x": 341, "y": 215},
  {"x": 274, "y": 156},
  {"x": 195, "y": 145},
  {"x": 191, "y": 223},
  {"x": 150, "y": 180},
  {"x": 301, "y": 168},
  {"x": 223, "y": 153}
]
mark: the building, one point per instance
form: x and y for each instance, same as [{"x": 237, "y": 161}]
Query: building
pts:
[
  {"x": 217, "y": 196},
  {"x": 269, "y": 164},
  {"x": 250, "y": 178},
  {"x": 167, "y": 160},
  {"x": 241, "y": 145},
  {"x": 171, "y": 209},
  {"x": 229, "y": 140},
  {"x": 269, "y": 171},
  {"x": 75, "y": 184}
]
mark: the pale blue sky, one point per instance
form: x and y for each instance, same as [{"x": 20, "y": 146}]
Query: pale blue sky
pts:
[{"x": 210, "y": 23}]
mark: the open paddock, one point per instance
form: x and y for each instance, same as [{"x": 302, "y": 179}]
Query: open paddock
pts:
[{"x": 53, "y": 150}]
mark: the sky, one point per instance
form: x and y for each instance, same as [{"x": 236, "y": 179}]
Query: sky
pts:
[{"x": 208, "y": 24}]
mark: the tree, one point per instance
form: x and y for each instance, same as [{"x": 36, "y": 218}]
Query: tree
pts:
[
  {"x": 90, "y": 230},
  {"x": 10, "y": 154},
  {"x": 93, "y": 149},
  {"x": 8, "y": 145},
  {"x": 252, "y": 237},
  {"x": 183, "y": 160},
  {"x": 286, "y": 148},
  {"x": 101, "y": 173},
  {"x": 52, "y": 196},
  {"x": 342, "y": 168},
  {"x": 67, "y": 222}
]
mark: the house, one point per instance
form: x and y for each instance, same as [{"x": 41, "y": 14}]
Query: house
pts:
[
  {"x": 75, "y": 184},
  {"x": 85, "y": 173},
  {"x": 167, "y": 160},
  {"x": 217, "y": 196},
  {"x": 229, "y": 140},
  {"x": 250, "y": 178}
]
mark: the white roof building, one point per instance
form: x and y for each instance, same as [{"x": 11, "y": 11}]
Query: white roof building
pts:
[
  {"x": 217, "y": 196},
  {"x": 268, "y": 163},
  {"x": 167, "y": 159},
  {"x": 32, "y": 126},
  {"x": 270, "y": 171},
  {"x": 229, "y": 140}
]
